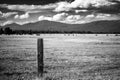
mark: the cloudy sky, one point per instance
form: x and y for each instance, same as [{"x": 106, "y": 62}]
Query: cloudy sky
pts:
[{"x": 65, "y": 11}]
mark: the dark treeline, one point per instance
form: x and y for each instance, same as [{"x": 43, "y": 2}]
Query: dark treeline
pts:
[
  {"x": 6, "y": 31},
  {"x": 9, "y": 31}
]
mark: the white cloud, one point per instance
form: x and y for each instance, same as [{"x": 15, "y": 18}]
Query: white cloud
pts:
[
  {"x": 90, "y": 16},
  {"x": 0, "y": 12},
  {"x": 65, "y": 6},
  {"x": 6, "y": 23},
  {"x": 73, "y": 18},
  {"x": 62, "y": 6},
  {"x": 41, "y": 18},
  {"x": 102, "y": 15},
  {"x": 8, "y": 14},
  {"x": 20, "y": 7},
  {"x": 23, "y": 16},
  {"x": 79, "y": 3},
  {"x": 62, "y": 17},
  {"x": 26, "y": 22},
  {"x": 44, "y": 18},
  {"x": 77, "y": 11},
  {"x": 60, "y": 14},
  {"x": 77, "y": 19},
  {"x": 87, "y": 3},
  {"x": 20, "y": 23},
  {"x": 69, "y": 19},
  {"x": 16, "y": 16},
  {"x": 33, "y": 11},
  {"x": 30, "y": 7},
  {"x": 59, "y": 17}
]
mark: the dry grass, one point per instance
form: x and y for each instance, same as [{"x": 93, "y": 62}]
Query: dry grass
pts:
[{"x": 79, "y": 57}]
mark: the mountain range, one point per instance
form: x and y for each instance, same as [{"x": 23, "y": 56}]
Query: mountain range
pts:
[{"x": 97, "y": 26}]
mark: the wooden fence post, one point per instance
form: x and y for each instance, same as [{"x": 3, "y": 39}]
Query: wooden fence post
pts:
[{"x": 40, "y": 57}]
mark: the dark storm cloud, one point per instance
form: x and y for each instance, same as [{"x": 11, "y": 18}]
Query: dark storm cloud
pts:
[
  {"x": 106, "y": 9},
  {"x": 111, "y": 9},
  {"x": 35, "y": 2}
]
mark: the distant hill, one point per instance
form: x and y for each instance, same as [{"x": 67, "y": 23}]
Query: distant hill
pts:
[{"x": 98, "y": 26}]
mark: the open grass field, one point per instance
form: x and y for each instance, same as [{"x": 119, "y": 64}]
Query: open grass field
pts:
[{"x": 66, "y": 57}]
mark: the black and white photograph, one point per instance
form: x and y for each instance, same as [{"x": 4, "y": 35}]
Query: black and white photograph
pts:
[{"x": 59, "y": 39}]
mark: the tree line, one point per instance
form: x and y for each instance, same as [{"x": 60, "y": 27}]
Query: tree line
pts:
[{"x": 9, "y": 31}]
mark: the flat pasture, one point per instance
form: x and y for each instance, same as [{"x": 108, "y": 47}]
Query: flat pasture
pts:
[{"x": 66, "y": 57}]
